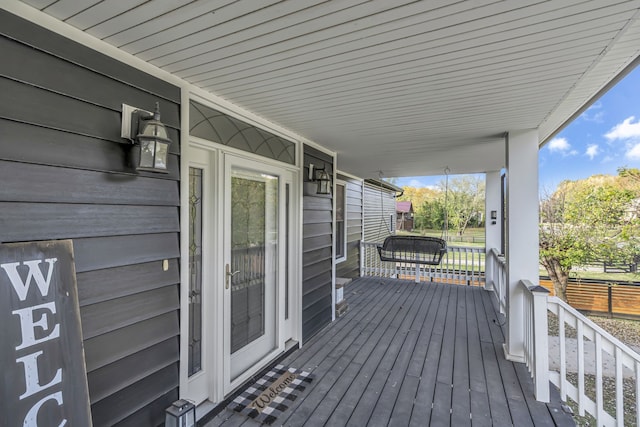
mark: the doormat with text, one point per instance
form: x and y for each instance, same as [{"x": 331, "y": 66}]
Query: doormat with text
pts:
[{"x": 272, "y": 394}]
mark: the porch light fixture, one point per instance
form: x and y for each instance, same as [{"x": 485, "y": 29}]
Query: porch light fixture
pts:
[
  {"x": 181, "y": 413},
  {"x": 149, "y": 137},
  {"x": 322, "y": 178}
]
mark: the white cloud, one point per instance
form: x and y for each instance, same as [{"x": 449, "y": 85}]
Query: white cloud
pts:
[
  {"x": 560, "y": 145},
  {"x": 593, "y": 113},
  {"x": 592, "y": 151},
  {"x": 633, "y": 153},
  {"x": 415, "y": 183},
  {"x": 627, "y": 130}
]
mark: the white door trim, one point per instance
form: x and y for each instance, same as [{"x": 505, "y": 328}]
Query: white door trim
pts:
[{"x": 202, "y": 153}]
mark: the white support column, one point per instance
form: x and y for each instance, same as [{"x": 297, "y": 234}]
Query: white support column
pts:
[
  {"x": 493, "y": 227},
  {"x": 522, "y": 231}
]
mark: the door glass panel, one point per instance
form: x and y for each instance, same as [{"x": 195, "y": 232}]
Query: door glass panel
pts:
[
  {"x": 195, "y": 270},
  {"x": 254, "y": 233}
]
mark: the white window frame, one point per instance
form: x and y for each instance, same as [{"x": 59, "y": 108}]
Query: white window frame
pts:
[{"x": 344, "y": 229}]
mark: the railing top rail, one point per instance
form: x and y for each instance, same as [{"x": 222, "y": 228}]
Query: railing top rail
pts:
[
  {"x": 531, "y": 288},
  {"x": 599, "y": 330}
]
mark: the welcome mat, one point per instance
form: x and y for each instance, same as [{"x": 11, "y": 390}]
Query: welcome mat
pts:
[{"x": 272, "y": 394}]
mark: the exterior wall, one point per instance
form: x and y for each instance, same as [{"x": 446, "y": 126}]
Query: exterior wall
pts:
[
  {"x": 317, "y": 250},
  {"x": 379, "y": 212},
  {"x": 351, "y": 266},
  {"x": 65, "y": 175}
]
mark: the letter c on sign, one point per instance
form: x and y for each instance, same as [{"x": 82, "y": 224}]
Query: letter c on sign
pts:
[{"x": 31, "y": 420}]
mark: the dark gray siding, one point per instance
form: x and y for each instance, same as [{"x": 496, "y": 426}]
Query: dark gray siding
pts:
[
  {"x": 351, "y": 266},
  {"x": 317, "y": 247},
  {"x": 66, "y": 176}
]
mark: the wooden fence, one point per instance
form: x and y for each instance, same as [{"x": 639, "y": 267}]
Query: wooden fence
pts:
[{"x": 602, "y": 298}]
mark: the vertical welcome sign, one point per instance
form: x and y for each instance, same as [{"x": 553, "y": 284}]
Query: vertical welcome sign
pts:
[{"x": 41, "y": 355}]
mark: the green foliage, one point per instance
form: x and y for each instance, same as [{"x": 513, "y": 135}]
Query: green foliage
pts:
[
  {"x": 590, "y": 220},
  {"x": 462, "y": 205}
]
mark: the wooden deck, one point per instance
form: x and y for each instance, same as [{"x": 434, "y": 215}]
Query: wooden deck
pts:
[{"x": 407, "y": 354}]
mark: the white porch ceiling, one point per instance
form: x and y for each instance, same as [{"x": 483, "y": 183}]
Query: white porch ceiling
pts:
[{"x": 402, "y": 87}]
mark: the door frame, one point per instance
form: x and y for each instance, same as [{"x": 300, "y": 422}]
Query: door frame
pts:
[{"x": 213, "y": 295}]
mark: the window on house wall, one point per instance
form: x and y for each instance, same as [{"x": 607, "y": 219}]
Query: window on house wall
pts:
[{"x": 341, "y": 225}]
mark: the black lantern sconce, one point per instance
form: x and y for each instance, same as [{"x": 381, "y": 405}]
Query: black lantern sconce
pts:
[
  {"x": 181, "y": 413},
  {"x": 149, "y": 137},
  {"x": 321, "y": 176}
]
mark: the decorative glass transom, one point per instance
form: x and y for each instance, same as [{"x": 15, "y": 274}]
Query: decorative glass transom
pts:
[{"x": 213, "y": 125}]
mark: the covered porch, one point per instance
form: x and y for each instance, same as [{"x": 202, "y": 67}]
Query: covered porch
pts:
[{"x": 413, "y": 354}]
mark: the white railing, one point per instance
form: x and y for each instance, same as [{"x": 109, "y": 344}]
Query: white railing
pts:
[
  {"x": 594, "y": 369},
  {"x": 497, "y": 277},
  {"x": 536, "y": 343},
  {"x": 462, "y": 265}
]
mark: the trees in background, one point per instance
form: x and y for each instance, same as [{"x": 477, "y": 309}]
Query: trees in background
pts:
[
  {"x": 463, "y": 204},
  {"x": 595, "y": 219}
]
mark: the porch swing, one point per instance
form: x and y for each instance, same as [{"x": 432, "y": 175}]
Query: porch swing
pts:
[{"x": 418, "y": 249}]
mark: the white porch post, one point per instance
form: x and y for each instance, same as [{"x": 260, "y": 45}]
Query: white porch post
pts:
[
  {"x": 492, "y": 231},
  {"x": 522, "y": 231}
]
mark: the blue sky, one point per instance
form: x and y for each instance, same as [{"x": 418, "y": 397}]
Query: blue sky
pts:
[{"x": 602, "y": 139}]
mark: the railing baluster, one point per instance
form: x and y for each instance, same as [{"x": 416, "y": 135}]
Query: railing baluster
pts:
[
  {"x": 619, "y": 392},
  {"x": 599, "y": 394},
  {"x": 563, "y": 355},
  {"x": 580, "y": 351}
]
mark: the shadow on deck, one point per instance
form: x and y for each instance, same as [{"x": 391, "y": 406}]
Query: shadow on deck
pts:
[{"x": 407, "y": 354}]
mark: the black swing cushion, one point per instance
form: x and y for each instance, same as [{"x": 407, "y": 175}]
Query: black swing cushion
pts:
[{"x": 413, "y": 249}]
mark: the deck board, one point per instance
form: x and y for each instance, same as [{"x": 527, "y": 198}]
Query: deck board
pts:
[{"x": 412, "y": 354}]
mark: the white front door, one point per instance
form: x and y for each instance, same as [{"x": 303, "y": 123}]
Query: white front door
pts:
[{"x": 254, "y": 268}]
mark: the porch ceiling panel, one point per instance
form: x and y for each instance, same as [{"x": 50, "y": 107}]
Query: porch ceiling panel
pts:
[{"x": 403, "y": 87}]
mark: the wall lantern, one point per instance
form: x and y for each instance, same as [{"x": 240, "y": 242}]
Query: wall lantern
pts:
[
  {"x": 181, "y": 413},
  {"x": 149, "y": 136},
  {"x": 322, "y": 178}
]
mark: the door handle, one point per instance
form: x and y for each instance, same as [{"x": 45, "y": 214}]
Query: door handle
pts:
[{"x": 229, "y": 275}]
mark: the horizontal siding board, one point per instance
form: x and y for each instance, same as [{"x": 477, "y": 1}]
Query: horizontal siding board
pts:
[
  {"x": 312, "y": 203},
  {"x": 119, "y": 343},
  {"x": 102, "y": 285},
  {"x": 316, "y": 296},
  {"x": 29, "y": 104},
  {"x": 57, "y": 111},
  {"x": 316, "y": 282},
  {"x": 46, "y": 221},
  {"x": 30, "y": 143},
  {"x": 106, "y": 252},
  {"x": 315, "y": 256},
  {"x": 33, "y": 35},
  {"x": 316, "y": 269},
  {"x": 316, "y": 230},
  {"x": 104, "y": 317},
  {"x": 38, "y": 183},
  {"x": 315, "y": 323},
  {"x": 112, "y": 378},
  {"x": 314, "y": 217},
  {"x": 117, "y": 407},
  {"x": 152, "y": 414},
  {"x": 313, "y": 243},
  {"x": 80, "y": 83}
]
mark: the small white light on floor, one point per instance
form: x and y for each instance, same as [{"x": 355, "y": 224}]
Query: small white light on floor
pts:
[{"x": 181, "y": 413}]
